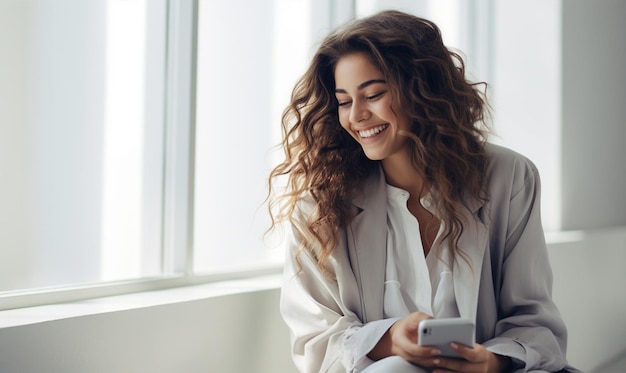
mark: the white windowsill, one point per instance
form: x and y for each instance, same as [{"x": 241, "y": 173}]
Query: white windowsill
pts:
[{"x": 38, "y": 314}]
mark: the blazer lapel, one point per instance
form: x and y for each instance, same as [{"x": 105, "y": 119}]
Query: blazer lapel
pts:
[{"x": 367, "y": 240}]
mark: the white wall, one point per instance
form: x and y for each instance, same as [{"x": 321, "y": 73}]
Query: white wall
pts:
[
  {"x": 588, "y": 288},
  {"x": 240, "y": 332}
]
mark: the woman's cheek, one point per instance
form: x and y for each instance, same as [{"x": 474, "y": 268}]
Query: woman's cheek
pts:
[{"x": 343, "y": 120}]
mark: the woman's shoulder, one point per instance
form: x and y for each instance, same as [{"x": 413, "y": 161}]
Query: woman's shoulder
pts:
[
  {"x": 509, "y": 166},
  {"x": 501, "y": 157}
]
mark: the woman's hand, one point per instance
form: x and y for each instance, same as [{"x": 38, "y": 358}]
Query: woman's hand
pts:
[
  {"x": 401, "y": 340},
  {"x": 477, "y": 360}
]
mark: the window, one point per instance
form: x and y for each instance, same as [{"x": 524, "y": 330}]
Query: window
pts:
[
  {"x": 80, "y": 141},
  {"x": 136, "y": 136},
  {"x": 112, "y": 178},
  {"x": 527, "y": 89},
  {"x": 244, "y": 83}
]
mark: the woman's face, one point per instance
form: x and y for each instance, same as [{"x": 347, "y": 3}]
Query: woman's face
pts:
[{"x": 365, "y": 108}]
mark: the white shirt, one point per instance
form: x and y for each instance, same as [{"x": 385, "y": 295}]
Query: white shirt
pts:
[{"x": 413, "y": 282}]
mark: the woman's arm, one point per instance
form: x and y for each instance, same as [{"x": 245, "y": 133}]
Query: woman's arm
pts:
[
  {"x": 309, "y": 308},
  {"x": 529, "y": 327}
]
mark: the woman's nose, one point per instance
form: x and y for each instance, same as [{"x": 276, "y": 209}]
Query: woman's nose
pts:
[{"x": 359, "y": 113}]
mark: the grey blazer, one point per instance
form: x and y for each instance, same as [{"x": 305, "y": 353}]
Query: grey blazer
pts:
[{"x": 510, "y": 299}]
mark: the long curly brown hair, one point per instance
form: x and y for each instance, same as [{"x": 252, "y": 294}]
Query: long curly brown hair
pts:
[{"x": 324, "y": 163}]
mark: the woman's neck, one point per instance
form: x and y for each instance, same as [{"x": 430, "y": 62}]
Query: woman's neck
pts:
[{"x": 402, "y": 173}]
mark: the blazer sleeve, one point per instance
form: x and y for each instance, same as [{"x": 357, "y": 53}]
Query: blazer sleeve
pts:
[
  {"x": 529, "y": 327},
  {"x": 312, "y": 308}
]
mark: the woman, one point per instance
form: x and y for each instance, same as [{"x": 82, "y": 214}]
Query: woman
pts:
[{"x": 401, "y": 211}]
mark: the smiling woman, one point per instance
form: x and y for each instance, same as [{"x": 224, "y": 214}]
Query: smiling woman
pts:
[{"x": 400, "y": 211}]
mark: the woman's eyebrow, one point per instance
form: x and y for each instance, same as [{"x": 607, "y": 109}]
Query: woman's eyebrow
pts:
[{"x": 363, "y": 85}]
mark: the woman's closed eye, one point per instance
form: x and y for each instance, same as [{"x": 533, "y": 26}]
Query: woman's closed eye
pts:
[{"x": 375, "y": 96}]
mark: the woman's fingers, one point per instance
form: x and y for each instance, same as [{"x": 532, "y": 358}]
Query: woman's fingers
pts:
[
  {"x": 404, "y": 341},
  {"x": 476, "y": 359}
]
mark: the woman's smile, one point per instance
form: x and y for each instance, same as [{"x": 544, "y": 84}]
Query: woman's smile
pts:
[{"x": 372, "y": 132}]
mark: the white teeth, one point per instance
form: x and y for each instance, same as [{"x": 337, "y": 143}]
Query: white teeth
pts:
[{"x": 372, "y": 131}]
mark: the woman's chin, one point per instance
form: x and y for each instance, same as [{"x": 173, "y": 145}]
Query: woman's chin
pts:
[{"x": 374, "y": 155}]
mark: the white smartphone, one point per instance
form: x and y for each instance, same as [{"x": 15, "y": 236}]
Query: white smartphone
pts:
[{"x": 442, "y": 332}]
